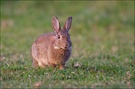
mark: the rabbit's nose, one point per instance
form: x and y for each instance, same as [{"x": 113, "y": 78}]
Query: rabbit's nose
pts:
[{"x": 66, "y": 46}]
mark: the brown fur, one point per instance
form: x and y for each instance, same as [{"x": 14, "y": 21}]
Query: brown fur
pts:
[{"x": 53, "y": 49}]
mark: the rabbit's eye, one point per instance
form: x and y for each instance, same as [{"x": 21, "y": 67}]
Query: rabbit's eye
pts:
[{"x": 58, "y": 36}]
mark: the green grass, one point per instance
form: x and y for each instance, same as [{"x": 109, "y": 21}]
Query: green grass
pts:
[{"x": 102, "y": 34}]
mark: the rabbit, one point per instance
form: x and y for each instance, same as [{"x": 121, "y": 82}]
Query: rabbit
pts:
[{"x": 53, "y": 49}]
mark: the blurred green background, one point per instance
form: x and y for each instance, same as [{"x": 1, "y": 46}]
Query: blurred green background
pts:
[
  {"x": 96, "y": 24},
  {"x": 99, "y": 28}
]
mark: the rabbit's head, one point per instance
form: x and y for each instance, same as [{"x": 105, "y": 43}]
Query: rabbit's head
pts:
[{"x": 62, "y": 40}]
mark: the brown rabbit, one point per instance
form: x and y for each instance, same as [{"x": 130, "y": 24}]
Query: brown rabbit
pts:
[{"x": 53, "y": 49}]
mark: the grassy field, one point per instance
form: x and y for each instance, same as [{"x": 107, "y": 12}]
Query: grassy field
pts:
[{"x": 102, "y": 34}]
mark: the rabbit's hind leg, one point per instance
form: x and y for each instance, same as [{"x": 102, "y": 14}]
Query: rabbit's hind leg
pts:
[{"x": 35, "y": 64}]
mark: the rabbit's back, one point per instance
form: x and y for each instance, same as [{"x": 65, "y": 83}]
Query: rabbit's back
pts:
[{"x": 40, "y": 47}]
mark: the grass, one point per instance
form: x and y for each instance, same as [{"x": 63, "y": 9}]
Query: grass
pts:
[{"x": 102, "y": 34}]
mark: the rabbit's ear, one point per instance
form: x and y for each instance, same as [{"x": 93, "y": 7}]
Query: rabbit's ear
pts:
[
  {"x": 68, "y": 24},
  {"x": 56, "y": 24}
]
